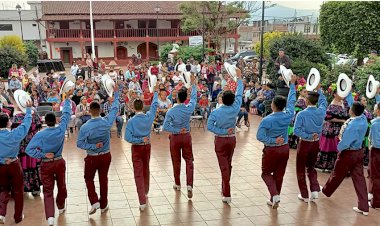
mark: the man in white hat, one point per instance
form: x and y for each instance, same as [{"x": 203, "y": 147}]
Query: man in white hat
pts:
[
  {"x": 224, "y": 130},
  {"x": 308, "y": 127},
  {"x": 273, "y": 132},
  {"x": 177, "y": 122},
  {"x": 11, "y": 176},
  {"x": 94, "y": 137},
  {"x": 137, "y": 133},
  {"x": 48, "y": 146}
]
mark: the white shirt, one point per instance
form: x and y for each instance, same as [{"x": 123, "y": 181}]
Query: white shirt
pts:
[{"x": 175, "y": 79}]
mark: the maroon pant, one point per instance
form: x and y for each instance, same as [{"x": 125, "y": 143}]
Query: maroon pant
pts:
[
  {"x": 273, "y": 167},
  {"x": 49, "y": 173},
  {"x": 140, "y": 159},
  {"x": 11, "y": 179},
  {"x": 100, "y": 163},
  {"x": 349, "y": 161},
  {"x": 224, "y": 149},
  {"x": 374, "y": 176},
  {"x": 307, "y": 154},
  {"x": 182, "y": 142}
]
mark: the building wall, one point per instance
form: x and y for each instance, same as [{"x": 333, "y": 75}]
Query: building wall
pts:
[
  {"x": 104, "y": 24},
  {"x": 74, "y": 24},
  {"x": 164, "y": 24},
  {"x": 133, "y": 23}
]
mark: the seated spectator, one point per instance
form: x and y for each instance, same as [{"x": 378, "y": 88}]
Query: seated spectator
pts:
[
  {"x": 179, "y": 85},
  {"x": 203, "y": 106},
  {"x": 120, "y": 76},
  {"x": 129, "y": 74},
  {"x": 62, "y": 77},
  {"x": 147, "y": 97},
  {"x": 77, "y": 96},
  {"x": 268, "y": 95},
  {"x": 96, "y": 77},
  {"x": 176, "y": 78},
  {"x": 14, "y": 83},
  {"x": 130, "y": 111},
  {"x": 154, "y": 70},
  {"x": 71, "y": 124},
  {"x": 135, "y": 86},
  {"x": 173, "y": 96},
  {"x": 164, "y": 104},
  {"x": 82, "y": 113},
  {"x": 119, "y": 117},
  {"x": 35, "y": 98},
  {"x": 216, "y": 92},
  {"x": 80, "y": 72},
  {"x": 243, "y": 113},
  {"x": 170, "y": 80},
  {"x": 54, "y": 97},
  {"x": 79, "y": 84}
]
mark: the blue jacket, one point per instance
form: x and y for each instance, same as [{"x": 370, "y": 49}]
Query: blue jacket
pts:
[
  {"x": 140, "y": 125},
  {"x": 98, "y": 130},
  {"x": 224, "y": 118},
  {"x": 310, "y": 120},
  {"x": 50, "y": 140},
  {"x": 277, "y": 123},
  {"x": 353, "y": 134},
  {"x": 178, "y": 117},
  {"x": 10, "y": 139}
]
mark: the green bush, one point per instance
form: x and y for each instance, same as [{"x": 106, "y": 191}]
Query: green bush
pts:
[
  {"x": 184, "y": 52},
  {"x": 32, "y": 53},
  {"x": 10, "y": 55},
  {"x": 164, "y": 51},
  {"x": 13, "y": 40},
  {"x": 303, "y": 53}
]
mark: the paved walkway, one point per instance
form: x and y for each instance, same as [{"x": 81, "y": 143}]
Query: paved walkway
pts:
[{"x": 169, "y": 207}]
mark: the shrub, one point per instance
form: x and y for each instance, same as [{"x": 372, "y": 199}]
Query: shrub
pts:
[
  {"x": 10, "y": 55},
  {"x": 13, "y": 40},
  {"x": 31, "y": 51},
  {"x": 184, "y": 52}
]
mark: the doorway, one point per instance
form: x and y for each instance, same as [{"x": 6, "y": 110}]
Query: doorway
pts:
[
  {"x": 89, "y": 51},
  {"x": 66, "y": 55},
  {"x": 121, "y": 53}
]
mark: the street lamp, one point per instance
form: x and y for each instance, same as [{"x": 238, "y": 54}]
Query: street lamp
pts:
[
  {"x": 262, "y": 41},
  {"x": 157, "y": 9},
  {"x": 18, "y": 7}
]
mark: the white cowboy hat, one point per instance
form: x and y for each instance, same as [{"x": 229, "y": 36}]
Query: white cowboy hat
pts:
[
  {"x": 152, "y": 80},
  {"x": 67, "y": 85},
  {"x": 286, "y": 74},
  {"x": 108, "y": 84},
  {"x": 186, "y": 79},
  {"x": 231, "y": 70},
  {"x": 372, "y": 86},
  {"x": 21, "y": 97},
  {"x": 313, "y": 80},
  {"x": 343, "y": 85}
]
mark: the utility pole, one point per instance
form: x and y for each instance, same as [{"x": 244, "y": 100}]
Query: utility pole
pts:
[
  {"x": 203, "y": 32},
  {"x": 262, "y": 41},
  {"x": 39, "y": 30}
]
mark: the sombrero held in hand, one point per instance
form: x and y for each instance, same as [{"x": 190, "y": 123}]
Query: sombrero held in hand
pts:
[
  {"x": 286, "y": 74},
  {"x": 108, "y": 84},
  {"x": 313, "y": 80},
  {"x": 231, "y": 70},
  {"x": 21, "y": 98},
  {"x": 66, "y": 86}
]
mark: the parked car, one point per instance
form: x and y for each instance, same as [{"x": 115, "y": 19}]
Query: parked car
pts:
[{"x": 243, "y": 54}]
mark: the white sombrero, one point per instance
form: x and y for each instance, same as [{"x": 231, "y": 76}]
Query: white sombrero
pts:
[
  {"x": 108, "y": 84},
  {"x": 67, "y": 85},
  {"x": 21, "y": 97},
  {"x": 186, "y": 79},
  {"x": 372, "y": 86},
  {"x": 152, "y": 80},
  {"x": 343, "y": 85},
  {"x": 231, "y": 70},
  {"x": 286, "y": 74},
  {"x": 313, "y": 80}
]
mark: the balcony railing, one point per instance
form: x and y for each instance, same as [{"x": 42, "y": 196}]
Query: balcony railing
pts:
[{"x": 119, "y": 33}]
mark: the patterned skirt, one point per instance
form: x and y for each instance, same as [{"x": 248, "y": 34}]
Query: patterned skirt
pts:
[
  {"x": 30, "y": 168},
  {"x": 328, "y": 153}
]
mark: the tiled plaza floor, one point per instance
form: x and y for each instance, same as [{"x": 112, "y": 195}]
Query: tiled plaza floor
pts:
[{"x": 169, "y": 207}]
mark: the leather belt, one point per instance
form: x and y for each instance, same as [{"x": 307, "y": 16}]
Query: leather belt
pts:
[
  {"x": 52, "y": 160},
  {"x": 143, "y": 143},
  {"x": 309, "y": 140},
  {"x": 178, "y": 134},
  {"x": 228, "y": 135},
  {"x": 99, "y": 153}
]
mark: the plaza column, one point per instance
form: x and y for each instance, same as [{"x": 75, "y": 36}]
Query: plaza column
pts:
[
  {"x": 51, "y": 51},
  {"x": 81, "y": 50},
  {"x": 115, "y": 50},
  {"x": 147, "y": 49}
]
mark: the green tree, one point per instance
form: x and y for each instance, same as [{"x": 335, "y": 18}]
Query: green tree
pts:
[
  {"x": 268, "y": 38},
  {"x": 303, "y": 53},
  {"x": 32, "y": 53},
  {"x": 219, "y": 18},
  {"x": 10, "y": 55},
  {"x": 351, "y": 27},
  {"x": 13, "y": 40}
]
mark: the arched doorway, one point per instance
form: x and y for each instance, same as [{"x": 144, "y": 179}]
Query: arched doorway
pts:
[
  {"x": 152, "y": 50},
  {"x": 121, "y": 53}
]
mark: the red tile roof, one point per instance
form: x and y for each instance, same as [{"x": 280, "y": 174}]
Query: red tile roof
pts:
[{"x": 110, "y": 7}]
